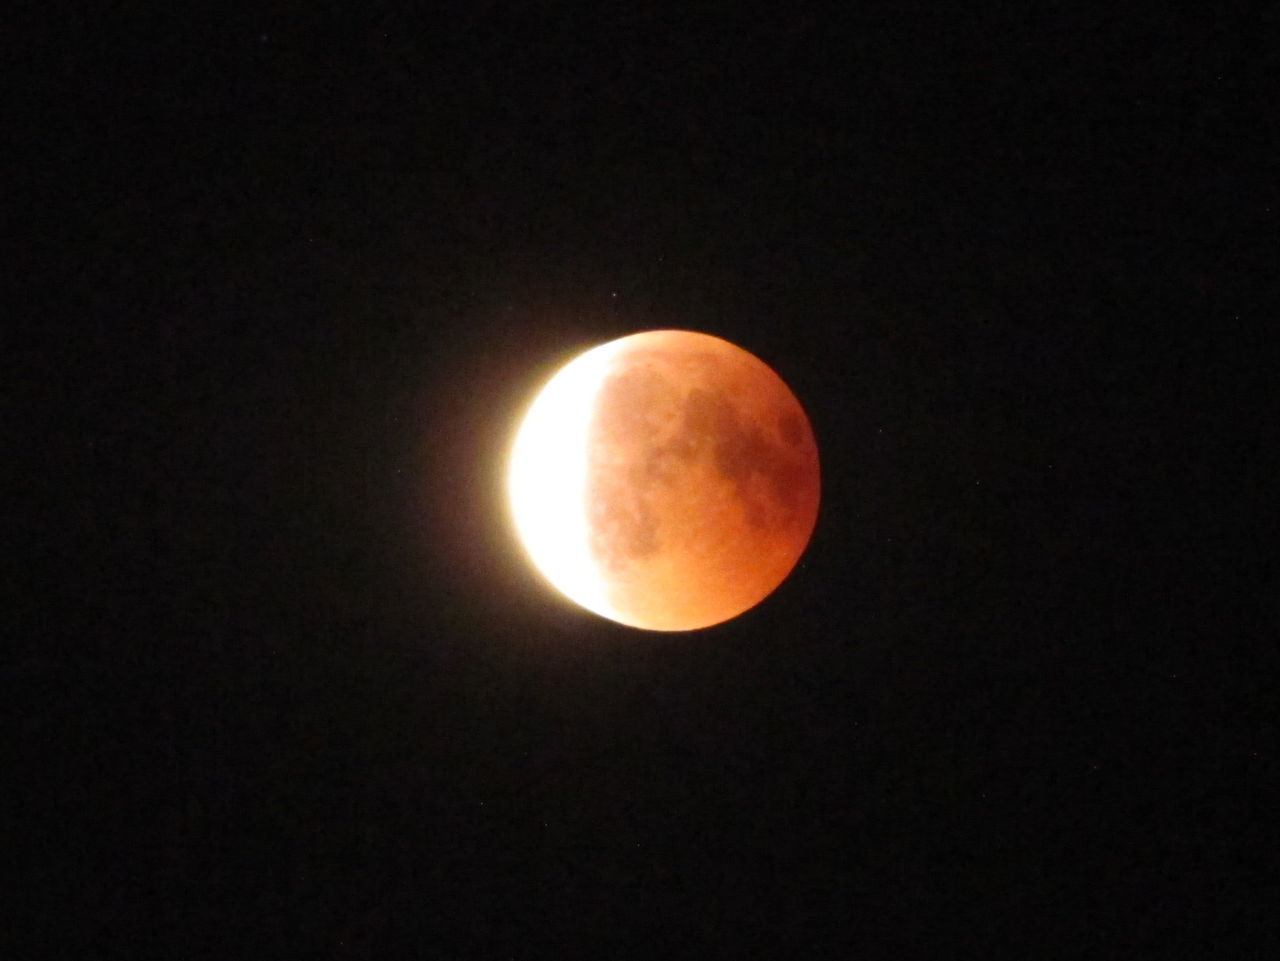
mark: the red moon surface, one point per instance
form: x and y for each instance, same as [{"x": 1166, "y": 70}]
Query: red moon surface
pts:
[{"x": 667, "y": 480}]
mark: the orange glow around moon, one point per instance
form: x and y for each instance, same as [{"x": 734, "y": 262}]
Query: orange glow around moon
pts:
[{"x": 667, "y": 480}]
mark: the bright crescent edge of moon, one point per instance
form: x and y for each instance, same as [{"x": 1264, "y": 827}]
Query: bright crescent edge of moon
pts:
[{"x": 547, "y": 478}]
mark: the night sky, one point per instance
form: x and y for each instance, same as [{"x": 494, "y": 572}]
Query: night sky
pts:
[{"x": 288, "y": 687}]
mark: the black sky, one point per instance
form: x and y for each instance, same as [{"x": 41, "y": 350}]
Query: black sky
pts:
[{"x": 290, "y": 690}]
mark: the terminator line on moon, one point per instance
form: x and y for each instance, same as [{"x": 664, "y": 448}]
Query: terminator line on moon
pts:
[{"x": 667, "y": 480}]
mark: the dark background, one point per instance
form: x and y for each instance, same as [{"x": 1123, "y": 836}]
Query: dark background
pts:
[{"x": 289, "y": 688}]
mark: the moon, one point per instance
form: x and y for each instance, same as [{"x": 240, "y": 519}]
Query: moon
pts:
[{"x": 667, "y": 480}]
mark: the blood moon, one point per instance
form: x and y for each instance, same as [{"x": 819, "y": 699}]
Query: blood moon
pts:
[{"x": 667, "y": 480}]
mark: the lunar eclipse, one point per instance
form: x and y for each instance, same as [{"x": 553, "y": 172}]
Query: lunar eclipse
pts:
[{"x": 667, "y": 480}]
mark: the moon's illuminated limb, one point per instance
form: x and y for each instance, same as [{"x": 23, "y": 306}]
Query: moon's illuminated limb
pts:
[
  {"x": 547, "y": 479},
  {"x": 667, "y": 480}
]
